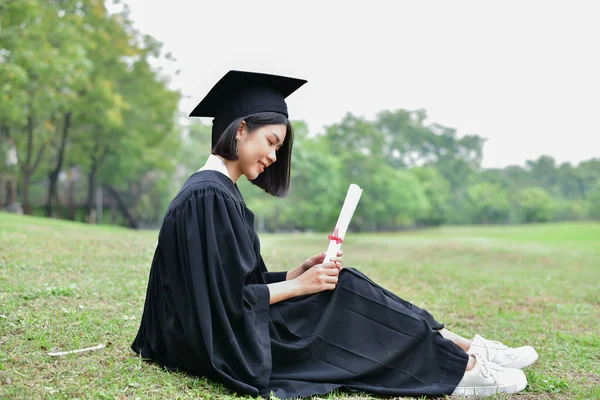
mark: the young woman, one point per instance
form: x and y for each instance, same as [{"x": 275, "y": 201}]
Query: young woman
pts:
[{"x": 212, "y": 308}]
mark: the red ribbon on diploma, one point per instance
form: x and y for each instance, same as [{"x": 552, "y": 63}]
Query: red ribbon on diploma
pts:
[{"x": 335, "y": 237}]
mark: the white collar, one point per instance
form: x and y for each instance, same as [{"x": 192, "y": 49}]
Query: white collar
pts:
[{"x": 214, "y": 163}]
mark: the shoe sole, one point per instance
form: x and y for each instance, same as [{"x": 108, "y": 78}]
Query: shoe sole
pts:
[{"x": 488, "y": 390}]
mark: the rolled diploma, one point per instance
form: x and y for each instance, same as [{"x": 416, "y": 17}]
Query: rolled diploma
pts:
[{"x": 350, "y": 203}]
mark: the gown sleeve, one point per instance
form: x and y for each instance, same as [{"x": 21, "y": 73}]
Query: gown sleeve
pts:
[
  {"x": 208, "y": 256},
  {"x": 272, "y": 277}
]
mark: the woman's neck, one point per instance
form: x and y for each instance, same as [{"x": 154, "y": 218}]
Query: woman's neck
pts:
[{"x": 233, "y": 169}]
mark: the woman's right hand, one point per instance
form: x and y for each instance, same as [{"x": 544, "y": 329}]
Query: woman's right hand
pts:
[{"x": 318, "y": 278}]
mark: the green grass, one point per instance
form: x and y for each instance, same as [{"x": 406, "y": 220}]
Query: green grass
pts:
[{"x": 66, "y": 286}]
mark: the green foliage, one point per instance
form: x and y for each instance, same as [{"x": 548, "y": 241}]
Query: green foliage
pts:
[
  {"x": 488, "y": 203},
  {"x": 543, "y": 171},
  {"x": 594, "y": 202},
  {"x": 409, "y": 142},
  {"x": 78, "y": 88},
  {"x": 194, "y": 149},
  {"x": 570, "y": 210},
  {"x": 79, "y": 85},
  {"x": 438, "y": 192},
  {"x": 392, "y": 197},
  {"x": 534, "y": 204},
  {"x": 315, "y": 194}
]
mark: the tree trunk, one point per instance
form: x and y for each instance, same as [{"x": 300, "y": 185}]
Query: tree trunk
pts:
[
  {"x": 51, "y": 190},
  {"x": 113, "y": 211},
  {"x": 27, "y": 168},
  {"x": 52, "y": 194},
  {"x": 59, "y": 212},
  {"x": 71, "y": 200},
  {"x": 27, "y": 172},
  {"x": 25, "y": 193},
  {"x": 91, "y": 195},
  {"x": 131, "y": 221},
  {"x": 53, "y": 177},
  {"x": 89, "y": 204}
]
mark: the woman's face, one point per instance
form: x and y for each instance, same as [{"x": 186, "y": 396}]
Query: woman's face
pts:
[{"x": 257, "y": 150}]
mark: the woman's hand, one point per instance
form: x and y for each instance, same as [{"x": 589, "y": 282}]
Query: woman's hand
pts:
[
  {"x": 311, "y": 262},
  {"x": 312, "y": 276},
  {"x": 318, "y": 278}
]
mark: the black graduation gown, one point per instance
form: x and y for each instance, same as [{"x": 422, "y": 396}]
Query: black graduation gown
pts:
[{"x": 207, "y": 312}]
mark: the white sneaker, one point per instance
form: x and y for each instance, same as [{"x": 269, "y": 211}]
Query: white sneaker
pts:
[
  {"x": 504, "y": 356},
  {"x": 487, "y": 378}
]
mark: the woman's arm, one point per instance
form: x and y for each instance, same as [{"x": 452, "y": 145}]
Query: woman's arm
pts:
[
  {"x": 316, "y": 279},
  {"x": 283, "y": 290}
]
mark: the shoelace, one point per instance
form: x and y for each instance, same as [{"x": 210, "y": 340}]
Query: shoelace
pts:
[
  {"x": 491, "y": 347},
  {"x": 486, "y": 370}
]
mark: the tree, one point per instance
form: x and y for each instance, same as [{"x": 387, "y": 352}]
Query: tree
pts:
[
  {"x": 45, "y": 64},
  {"x": 408, "y": 141},
  {"x": 517, "y": 177},
  {"x": 412, "y": 143},
  {"x": 195, "y": 148},
  {"x": 144, "y": 154},
  {"x": 100, "y": 113},
  {"x": 316, "y": 193},
  {"x": 488, "y": 203},
  {"x": 569, "y": 181},
  {"x": 544, "y": 172},
  {"x": 594, "y": 201},
  {"x": 588, "y": 173},
  {"x": 438, "y": 192},
  {"x": 355, "y": 135},
  {"x": 456, "y": 158},
  {"x": 397, "y": 196},
  {"x": 534, "y": 205}
]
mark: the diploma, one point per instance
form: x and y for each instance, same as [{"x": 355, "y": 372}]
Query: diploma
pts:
[{"x": 336, "y": 239}]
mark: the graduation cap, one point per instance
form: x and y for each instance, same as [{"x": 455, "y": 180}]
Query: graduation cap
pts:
[{"x": 239, "y": 94}]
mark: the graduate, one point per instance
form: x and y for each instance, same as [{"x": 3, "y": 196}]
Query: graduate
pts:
[{"x": 212, "y": 308}]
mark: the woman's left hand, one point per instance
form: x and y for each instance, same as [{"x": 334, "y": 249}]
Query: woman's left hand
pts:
[{"x": 312, "y": 261}]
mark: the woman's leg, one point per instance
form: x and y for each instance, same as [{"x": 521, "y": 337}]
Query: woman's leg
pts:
[
  {"x": 460, "y": 341},
  {"x": 471, "y": 363}
]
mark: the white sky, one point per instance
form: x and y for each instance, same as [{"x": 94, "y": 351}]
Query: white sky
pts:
[{"x": 524, "y": 74}]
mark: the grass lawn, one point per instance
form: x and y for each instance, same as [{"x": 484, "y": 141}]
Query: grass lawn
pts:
[{"x": 66, "y": 286}]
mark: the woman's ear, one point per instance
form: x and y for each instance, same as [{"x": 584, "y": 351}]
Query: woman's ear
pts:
[{"x": 242, "y": 129}]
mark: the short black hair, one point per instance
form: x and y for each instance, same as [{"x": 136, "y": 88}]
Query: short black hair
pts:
[{"x": 275, "y": 180}]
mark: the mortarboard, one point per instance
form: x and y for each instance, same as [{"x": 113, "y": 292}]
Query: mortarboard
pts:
[{"x": 240, "y": 93}]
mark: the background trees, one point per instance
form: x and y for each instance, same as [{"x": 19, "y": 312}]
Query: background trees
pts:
[
  {"x": 97, "y": 128},
  {"x": 81, "y": 99}
]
